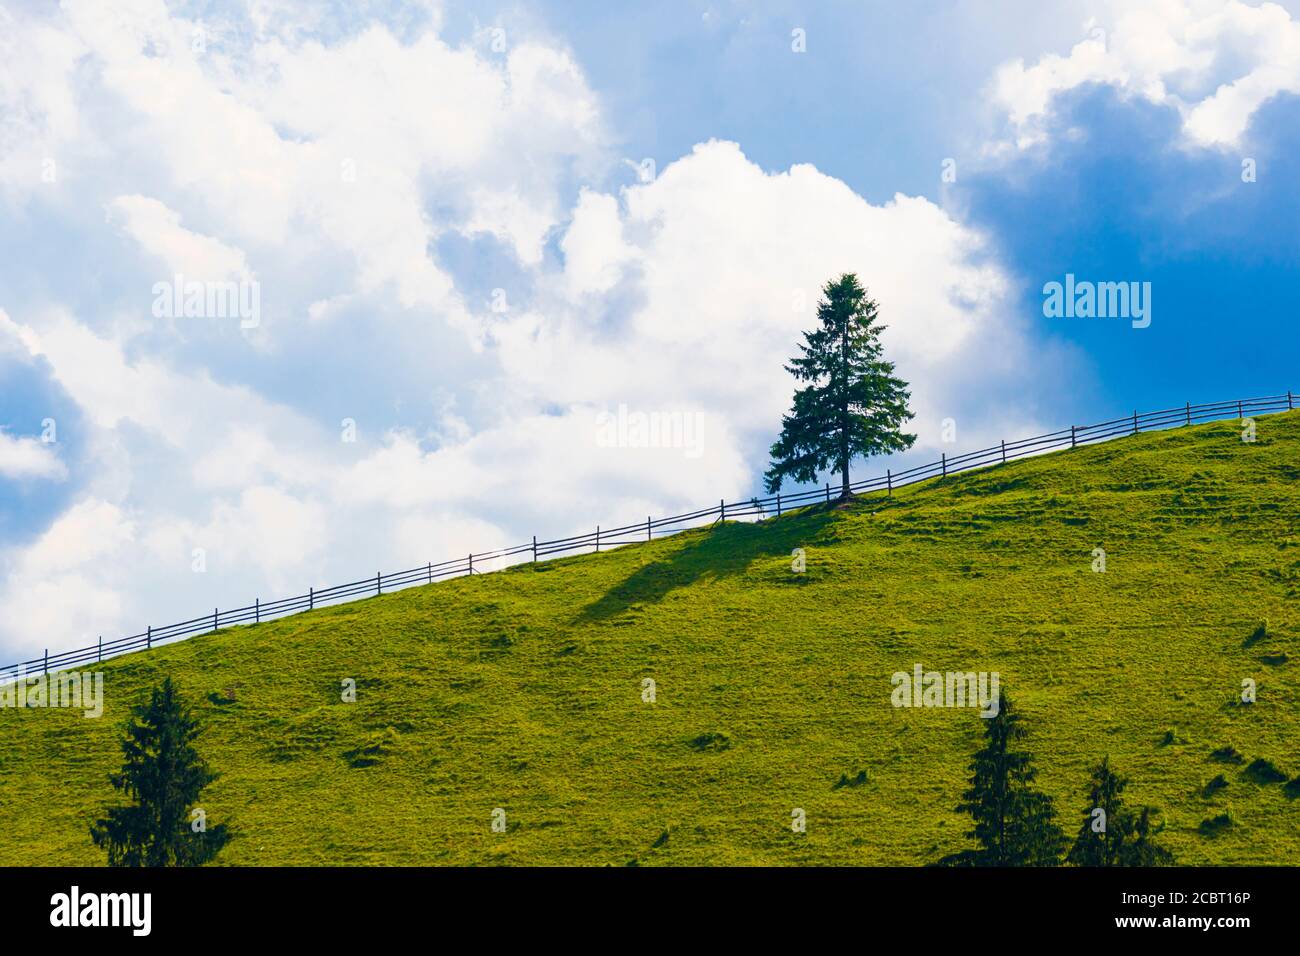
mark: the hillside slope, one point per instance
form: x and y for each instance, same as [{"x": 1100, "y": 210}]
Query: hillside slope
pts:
[{"x": 523, "y": 689}]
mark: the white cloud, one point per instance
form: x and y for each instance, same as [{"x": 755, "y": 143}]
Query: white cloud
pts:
[
  {"x": 341, "y": 148},
  {"x": 110, "y": 388},
  {"x": 28, "y": 457},
  {"x": 89, "y": 530},
  {"x": 725, "y": 264},
  {"x": 55, "y": 590},
  {"x": 595, "y": 251},
  {"x": 264, "y": 528},
  {"x": 159, "y": 232},
  {"x": 1215, "y": 62},
  {"x": 243, "y": 491},
  {"x": 41, "y": 113}
]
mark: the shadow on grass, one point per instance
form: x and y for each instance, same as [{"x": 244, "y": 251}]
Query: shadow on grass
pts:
[{"x": 718, "y": 552}]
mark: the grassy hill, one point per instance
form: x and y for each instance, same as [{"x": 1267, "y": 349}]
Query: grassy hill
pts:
[{"x": 523, "y": 689}]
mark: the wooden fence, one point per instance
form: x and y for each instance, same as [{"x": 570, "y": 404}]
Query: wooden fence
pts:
[{"x": 536, "y": 550}]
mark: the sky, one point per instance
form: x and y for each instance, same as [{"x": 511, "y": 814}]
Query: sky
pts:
[{"x": 435, "y": 248}]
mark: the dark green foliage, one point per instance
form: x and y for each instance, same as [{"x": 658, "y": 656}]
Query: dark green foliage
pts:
[
  {"x": 1143, "y": 851},
  {"x": 1214, "y": 786},
  {"x": 853, "y": 405},
  {"x": 164, "y": 775},
  {"x": 1014, "y": 823},
  {"x": 1125, "y": 839}
]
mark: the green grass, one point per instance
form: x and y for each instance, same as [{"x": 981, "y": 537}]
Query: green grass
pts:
[{"x": 522, "y": 689}]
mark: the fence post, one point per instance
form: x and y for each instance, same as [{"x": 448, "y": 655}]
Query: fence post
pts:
[
  {"x": 1189, "y": 413},
  {"x": 778, "y": 504},
  {"x": 943, "y": 463},
  {"x": 148, "y": 636},
  {"x": 1289, "y": 406},
  {"x": 101, "y": 647},
  {"x": 828, "y": 492},
  {"x": 47, "y": 660},
  {"x": 889, "y": 483},
  {"x": 534, "y": 549},
  {"x": 379, "y": 587},
  {"x": 471, "y": 562},
  {"x": 647, "y": 527},
  {"x": 214, "y": 618},
  {"x": 257, "y": 610},
  {"x": 429, "y": 571},
  {"x": 1135, "y": 421},
  {"x": 1072, "y": 441},
  {"x": 1004, "y": 451},
  {"x": 1239, "y": 412},
  {"x": 598, "y": 539},
  {"x": 311, "y": 598},
  {"x": 722, "y": 509}
]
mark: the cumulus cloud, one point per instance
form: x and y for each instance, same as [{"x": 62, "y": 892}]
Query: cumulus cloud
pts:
[
  {"x": 159, "y": 232},
  {"x": 352, "y": 140},
  {"x": 1216, "y": 63},
  {"x": 717, "y": 267},
  {"x": 41, "y": 112},
  {"x": 595, "y": 251},
  {"x": 66, "y": 583},
  {"x": 27, "y": 457}
]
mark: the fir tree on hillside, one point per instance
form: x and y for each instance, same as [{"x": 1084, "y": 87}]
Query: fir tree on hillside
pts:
[
  {"x": 853, "y": 405},
  {"x": 1014, "y": 823},
  {"x": 164, "y": 775},
  {"x": 1115, "y": 836}
]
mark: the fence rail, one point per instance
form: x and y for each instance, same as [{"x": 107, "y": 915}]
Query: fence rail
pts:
[{"x": 257, "y": 612}]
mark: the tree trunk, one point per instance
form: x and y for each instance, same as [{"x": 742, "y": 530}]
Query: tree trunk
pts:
[{"x": 845, "y": 493}]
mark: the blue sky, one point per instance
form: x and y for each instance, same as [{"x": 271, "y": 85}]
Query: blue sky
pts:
[{"x": 457, "y": 249}]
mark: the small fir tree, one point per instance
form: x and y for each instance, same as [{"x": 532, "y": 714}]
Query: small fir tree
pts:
[
  {"x": 1014, "y": 823},
  {"x": 853, "y": 406},
  {"x": 1115, "y": 836},
  {"x": 164, "y": 775}
]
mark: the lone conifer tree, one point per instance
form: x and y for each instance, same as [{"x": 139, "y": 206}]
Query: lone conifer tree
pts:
[
  {"x": 1116, "y": 836},
  {"x": 853, "y": 406},
  {"x": 1014, "y": 823},
  {"x": 164, "y": 775}
]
